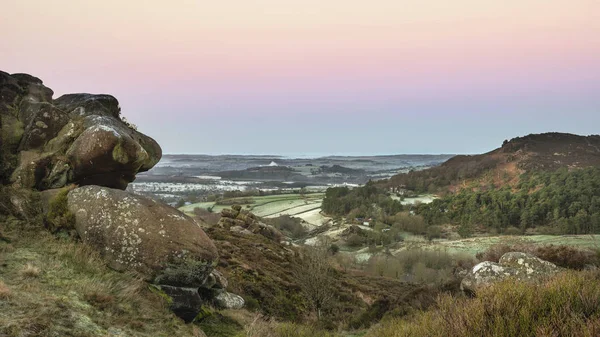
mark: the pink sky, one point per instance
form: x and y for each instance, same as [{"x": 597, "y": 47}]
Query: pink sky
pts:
[{"x": 259, "y": 57}]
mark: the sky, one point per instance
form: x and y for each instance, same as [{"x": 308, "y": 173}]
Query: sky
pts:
[{"x": 316, "y": 77}]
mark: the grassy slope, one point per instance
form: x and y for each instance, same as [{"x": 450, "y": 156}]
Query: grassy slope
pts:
[
  {"x": 567, "y": 305},
  {"x": 56, "y": 287},
  {"x": 262, "y": 271},
  {"x": 504, "y": 165}
]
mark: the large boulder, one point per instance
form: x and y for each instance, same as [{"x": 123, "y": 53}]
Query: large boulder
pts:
[
  {"x": 514, "y": 265},
  {"x": 137, "y": 233},
  {"x": 76, "y": 138}
]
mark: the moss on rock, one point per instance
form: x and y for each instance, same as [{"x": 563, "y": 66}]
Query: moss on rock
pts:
[{"x": 58, "y": 217}]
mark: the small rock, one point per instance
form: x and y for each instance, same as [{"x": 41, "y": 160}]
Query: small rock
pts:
[
  {"x": 227, "y": 300},
  {"x": 220, "y": 280},
  {"x": 240, "y": 229}
]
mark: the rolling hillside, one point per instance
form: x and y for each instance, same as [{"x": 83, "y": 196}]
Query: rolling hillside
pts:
[{"x": 502, "y": 166}]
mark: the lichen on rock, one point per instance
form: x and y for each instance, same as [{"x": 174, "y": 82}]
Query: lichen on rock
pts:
[
  {"x": 137, "y": 233},
  {"x": 513, "y": 265}
]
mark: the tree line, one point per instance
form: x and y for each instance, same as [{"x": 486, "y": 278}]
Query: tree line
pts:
[{"x": 362, "y": 202}]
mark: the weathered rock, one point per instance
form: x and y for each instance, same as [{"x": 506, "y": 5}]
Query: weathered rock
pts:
[
  {"x": 528, "y": 265},
  {"x": 244, "y": 222},
  {"x": 77, "y": 138},
  {"x": 516, "y": 265},
  {"x": 137, "y": 233},
  {"x": 33, "y": 87},
  {"x": 43, "y": 121},
  {"x": 108, "y": 153},
  {"x": 184, "y": 302},
  {"x": 247, "y": 217},
  {"x": 483, "y": 274},
  {"x": 267, "y": 231},
  {"x": 215, "y": 280},
  {"x": 220, "y": 280},
  {"x": 228, "y": 223},
  {"x": 229, "y": 213},
  {"x": 226, "y": 300},
  {"x": 89, "y": 105},
  {"x": 240, "y": 229}
]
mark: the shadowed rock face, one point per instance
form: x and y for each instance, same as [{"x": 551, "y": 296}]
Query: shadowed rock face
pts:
[
  {"x": 185, "y": 302},
  {"x": 76, "y": 138}
]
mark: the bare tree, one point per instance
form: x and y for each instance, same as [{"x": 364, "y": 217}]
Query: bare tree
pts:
[{"x": 314, "y": 275}]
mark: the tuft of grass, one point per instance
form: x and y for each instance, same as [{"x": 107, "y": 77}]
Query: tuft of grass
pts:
[
  {"x": 58, "y": 217},
  {"x": 30, "y": 271},
  {"x": 5, "y": 292},
  {"x": 567, "y": 305},
  {"x": 99, "y": 300}
]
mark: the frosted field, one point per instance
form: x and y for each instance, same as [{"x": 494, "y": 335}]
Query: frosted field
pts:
[
  {"x": 307, "y": 208},
  {"x": 287, "y": 207},
  {"x": 218, "y": 185},
  {"x": 423, "y": 199},
  {"x": 313, "y": 217},
  {"x": 472, "y": 246}
]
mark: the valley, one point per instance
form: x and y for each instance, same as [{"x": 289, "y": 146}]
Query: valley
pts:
[{"x": 195, "y": 177}]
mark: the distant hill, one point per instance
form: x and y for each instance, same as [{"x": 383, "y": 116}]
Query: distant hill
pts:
[{"x": 535, "y": 152}]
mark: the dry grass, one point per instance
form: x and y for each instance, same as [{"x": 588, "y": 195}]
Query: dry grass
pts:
[
  {"x": 419, "y": 266},
  {"x": 265, "y": 327},
  {"x": 4, "y": 291},
  {"x": 568, "y": 305},
  {"x": 260, "y": 327},
  {"x": 75, "y": 294},
  {"x": 30, "y": 271}
]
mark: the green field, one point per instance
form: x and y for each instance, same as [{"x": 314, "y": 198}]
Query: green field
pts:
[{"x": 303, "y": 206}]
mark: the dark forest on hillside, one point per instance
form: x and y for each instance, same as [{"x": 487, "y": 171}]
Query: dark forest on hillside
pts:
[{"x": 560, "y": 202}]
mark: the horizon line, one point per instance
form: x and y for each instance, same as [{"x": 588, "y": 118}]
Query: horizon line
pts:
[{"x": 316, "y": 155}]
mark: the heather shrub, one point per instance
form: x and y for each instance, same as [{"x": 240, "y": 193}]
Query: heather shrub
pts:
[
  {"x": 418, "y": 266},
  {"x": 289, "y": 225}
]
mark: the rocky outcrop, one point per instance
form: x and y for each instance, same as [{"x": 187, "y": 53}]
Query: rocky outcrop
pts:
[
  {"x": 515, "y": 265},
  {"x": 80, "y": 139},
  {"x": 76, "y": 138},
  {"x": 137, "y": 233},
  {"x": 242, "y": 221}
]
